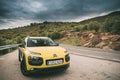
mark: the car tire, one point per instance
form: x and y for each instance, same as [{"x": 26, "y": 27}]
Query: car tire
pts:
[
  {"x": 19, "y": 56},
  {"x": 23, "y": 68}
]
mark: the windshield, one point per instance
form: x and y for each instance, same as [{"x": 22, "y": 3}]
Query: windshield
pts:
[{"x": 40, "y": 42}]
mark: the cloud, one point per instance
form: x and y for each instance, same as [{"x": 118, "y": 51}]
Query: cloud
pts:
[
  {"x": 71, "y": 9},
  {"x": 35, "y": 6},
  {"x": 54, "y": 10},
  {"x": 13, "y": 23}
]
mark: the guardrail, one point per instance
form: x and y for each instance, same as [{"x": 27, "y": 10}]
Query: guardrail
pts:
[{"x": 8, "y": 46}]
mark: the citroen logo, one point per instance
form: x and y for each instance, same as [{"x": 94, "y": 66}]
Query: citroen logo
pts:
[{"x": 54, "y": 55}]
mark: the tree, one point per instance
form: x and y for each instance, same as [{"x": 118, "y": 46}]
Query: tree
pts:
[
  {"x": 116, "y": 28},
  {"x": 107, "y": 25}
]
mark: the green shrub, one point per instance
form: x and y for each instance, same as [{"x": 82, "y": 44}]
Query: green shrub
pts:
[
  {"x": 54, "y": 35},
  {"x": 2, "y": 41},
  {"x": 77, "y": 29},
  {"x": 93, "y": 26},
  {"x": 18, "y": 39},
  {"x": 84, "y": 28}
]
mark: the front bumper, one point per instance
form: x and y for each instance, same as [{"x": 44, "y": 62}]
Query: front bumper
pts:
[{"x": 51, "y": 69}]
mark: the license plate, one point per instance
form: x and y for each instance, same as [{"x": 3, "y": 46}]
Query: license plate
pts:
[{"x": 54, "y": 62}]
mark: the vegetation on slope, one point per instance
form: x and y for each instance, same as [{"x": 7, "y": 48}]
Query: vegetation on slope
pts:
[{"x": 62, "y": 31}]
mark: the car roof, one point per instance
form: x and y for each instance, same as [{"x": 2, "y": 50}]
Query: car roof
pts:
[
  {"x": 35, "y": 38},
  {"x": 39, "y": 37}
]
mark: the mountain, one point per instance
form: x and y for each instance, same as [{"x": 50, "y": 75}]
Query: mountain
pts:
[{"x": 103, "y": 18}]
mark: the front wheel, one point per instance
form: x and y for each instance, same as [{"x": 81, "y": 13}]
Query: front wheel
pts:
[
  {"x": 24, "y": 69},
  {"x": 19, "y": 56}
]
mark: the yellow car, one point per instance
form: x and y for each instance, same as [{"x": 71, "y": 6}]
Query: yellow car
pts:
[{"x": 42, "y": 54}]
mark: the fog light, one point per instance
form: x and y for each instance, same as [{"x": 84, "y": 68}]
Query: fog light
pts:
[{"x": 32, "y": 69}]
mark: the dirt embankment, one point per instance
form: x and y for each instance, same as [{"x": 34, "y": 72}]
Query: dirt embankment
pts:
[
  {"x": 101, "y": 40},
  {"x": 105, "y": 41}
]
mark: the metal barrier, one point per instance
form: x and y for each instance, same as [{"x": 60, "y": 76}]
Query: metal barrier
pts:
[{"x": 8, "y": 46}]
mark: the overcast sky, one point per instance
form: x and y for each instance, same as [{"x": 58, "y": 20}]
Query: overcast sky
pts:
[{"x": 14, "y": 13}]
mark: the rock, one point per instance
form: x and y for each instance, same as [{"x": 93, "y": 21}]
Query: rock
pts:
[
  {"x": 106, "y": 48},
  {"x": 115, "y": 38},
  {"x": 115, "y": 45},
  {"x": 104, "y": 38},
  {"x": 87, "y": 45},
  {"x": 84, "y": 39},
  {"x": 91, "y": 35},
  {"x": 101, "y": 45},
  {"x": 95, "y": 41},
  {"x": 107, "y": 34}
]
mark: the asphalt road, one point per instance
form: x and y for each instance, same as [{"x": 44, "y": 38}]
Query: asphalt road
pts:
[{"x": 86, "y": 64}]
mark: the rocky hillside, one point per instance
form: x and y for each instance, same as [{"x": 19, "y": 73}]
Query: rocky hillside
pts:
[
  {"x": 102, "y": 40},
  {"x": 106, "y": 41}
]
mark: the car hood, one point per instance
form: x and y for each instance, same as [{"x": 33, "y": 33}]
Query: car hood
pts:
[{"x": 47, "y": 50}]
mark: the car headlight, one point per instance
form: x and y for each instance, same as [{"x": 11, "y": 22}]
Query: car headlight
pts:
[
  {"x": 33, "y": 60},
  {"x": 67, "y": 58},
  {"x": 65, "y": 51}
]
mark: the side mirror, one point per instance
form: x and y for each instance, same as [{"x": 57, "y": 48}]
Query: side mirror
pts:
[{"x": 57, "y": 44}]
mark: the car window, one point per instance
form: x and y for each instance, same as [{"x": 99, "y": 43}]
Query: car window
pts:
[{"x": 40, "y": 42}]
